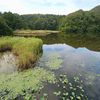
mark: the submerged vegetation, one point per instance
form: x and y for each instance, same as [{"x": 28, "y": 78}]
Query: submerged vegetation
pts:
[{"x": 27, "y": 49}]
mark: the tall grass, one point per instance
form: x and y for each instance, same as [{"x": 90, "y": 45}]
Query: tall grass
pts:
[
  {"x": 27, "y": 49},
  {"x": 33, "y": 32}
]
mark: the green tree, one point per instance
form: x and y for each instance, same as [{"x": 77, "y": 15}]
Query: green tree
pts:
[{"x": 4, "y": 28}]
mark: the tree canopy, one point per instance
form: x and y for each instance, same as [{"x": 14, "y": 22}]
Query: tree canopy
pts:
[
  {"x": 81, "y": 21},
  {"x": 77, "y": 22},
  {"x": 4, "y": 28}
]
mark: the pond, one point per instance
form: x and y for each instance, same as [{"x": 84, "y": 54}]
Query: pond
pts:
[{"x": 69, "y": 69}]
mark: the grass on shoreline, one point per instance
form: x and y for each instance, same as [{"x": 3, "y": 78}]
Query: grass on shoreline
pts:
[
  {"x": 27, "y": 49},
  {"x": 33, "y": 32}
]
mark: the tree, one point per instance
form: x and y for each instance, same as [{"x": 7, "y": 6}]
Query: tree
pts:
[{"x": 4, "y": 28}]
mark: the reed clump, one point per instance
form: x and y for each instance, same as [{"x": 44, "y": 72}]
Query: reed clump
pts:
[{"x": 27, "y": 49}]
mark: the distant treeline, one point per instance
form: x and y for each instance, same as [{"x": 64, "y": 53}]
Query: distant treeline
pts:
[
  {"x": 81, "y": 22},
  {"x": 77, "y": 22}
]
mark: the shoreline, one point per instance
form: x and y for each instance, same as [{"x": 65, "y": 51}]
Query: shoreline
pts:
[{"x": 33, "y": 32}]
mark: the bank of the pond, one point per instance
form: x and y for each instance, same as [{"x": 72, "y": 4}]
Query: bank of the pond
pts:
[
  {"x": 33, "y": 32},
  {"x": 27, "y": 49}
]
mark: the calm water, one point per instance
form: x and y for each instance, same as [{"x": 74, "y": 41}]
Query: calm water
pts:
[{"x": 81, "y": 59}]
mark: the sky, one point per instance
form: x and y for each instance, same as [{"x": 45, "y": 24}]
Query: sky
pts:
[{"x": 58, "y": 7}]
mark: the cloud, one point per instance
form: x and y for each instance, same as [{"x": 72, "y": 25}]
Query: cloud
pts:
[{"x": 45, "y": 6}]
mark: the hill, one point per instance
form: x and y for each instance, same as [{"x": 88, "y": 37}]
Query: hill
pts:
[
  {"x": 96, "y": 9},
  {"x": 81, "y": 22}
]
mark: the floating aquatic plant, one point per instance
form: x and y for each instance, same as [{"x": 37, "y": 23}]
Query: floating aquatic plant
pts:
[
  {"x": 52, "y": 61},
  {"x": 57, "y": 93},
  {"x": 19, "y": 83}
]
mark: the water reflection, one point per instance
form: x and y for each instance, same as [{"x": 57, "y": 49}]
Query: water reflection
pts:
[
  {"x": 8, "y": 63},
  {"x": 91, "y": 43},
  {"x": 80, "y": 61}
]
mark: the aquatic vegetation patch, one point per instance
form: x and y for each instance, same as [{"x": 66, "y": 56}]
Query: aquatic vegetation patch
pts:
[
  {"x": 81, "y": 64},
  {"x": 70, "y": 91},
  {"x": 27, "y": 49},
  {"x": 52, "y": 61},
  {"x": 12, "y": 85}
]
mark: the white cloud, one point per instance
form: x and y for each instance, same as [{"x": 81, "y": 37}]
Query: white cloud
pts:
[{"x": 41, "y": 6}]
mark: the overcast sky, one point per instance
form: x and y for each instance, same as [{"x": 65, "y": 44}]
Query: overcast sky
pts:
[{"x": 61, "y": 7}]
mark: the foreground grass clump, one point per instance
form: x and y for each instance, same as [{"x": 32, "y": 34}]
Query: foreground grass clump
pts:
[{"x": 27, "y": 49}]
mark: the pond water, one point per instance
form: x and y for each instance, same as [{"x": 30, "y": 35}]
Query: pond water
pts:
[{"x": 79, "y": 61}]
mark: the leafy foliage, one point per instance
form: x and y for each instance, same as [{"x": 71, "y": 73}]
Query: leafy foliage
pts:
[
  {"x": 14, "y": 20},
  {"x": 81, "y": 21},
  {"x": 42, "y": 22},
  {"x": 4, "y": 28}
]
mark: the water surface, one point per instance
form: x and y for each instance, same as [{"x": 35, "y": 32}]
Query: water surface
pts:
[{"x": 81, "y": 58}]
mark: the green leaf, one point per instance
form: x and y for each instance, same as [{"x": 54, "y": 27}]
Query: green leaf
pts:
[
  {"x": 78, "y": 97},
  {"x": 81, "y": 95},
  {"x": 71, "y": 97},
  {"x": 82, "y": 90},
  {"x": 67, "y": 93},
  {"x": 35, "y": 90},
  {"x": 64, "y": 86},
  {"x": 42, "y": 98},
  {"x": 91, "y": 77},
  {"x": 64, "y": 75},
  {"x": 98, "y": 74},
  {"x": 70, "y": 84},
  {"x": 66, "y": 81},
  {"x": 90, "y": 83},
  {"x": 73, "y": 93},
  {"x": 57, "y": 93},
  {"x": 61, "y": 76},
  {"x": 63, "y": 98},
  {"x": 64, "y": 94},
  {"x": 71, "y": 87},
  {"x": 60, "y": 79},
  {"x": 45, "y": 94},
  {"x": 74, "y": 88},
  {"x": 86, "y": 78},
  {"x": 80, "y": 87}
]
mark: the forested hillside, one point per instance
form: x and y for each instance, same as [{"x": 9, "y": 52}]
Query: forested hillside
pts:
[
  {"x": 42, "y": 22},
  {"x": 77, "y": 22},
  {"x": 81, "y": 21},
  {"x": 14, "y": 20},
  {"x": 96, "y": 9}
]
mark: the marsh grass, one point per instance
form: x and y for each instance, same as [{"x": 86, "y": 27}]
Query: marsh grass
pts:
[
  {"x": 27, "y": 49},
  {"x": 33, "y": 32}
]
